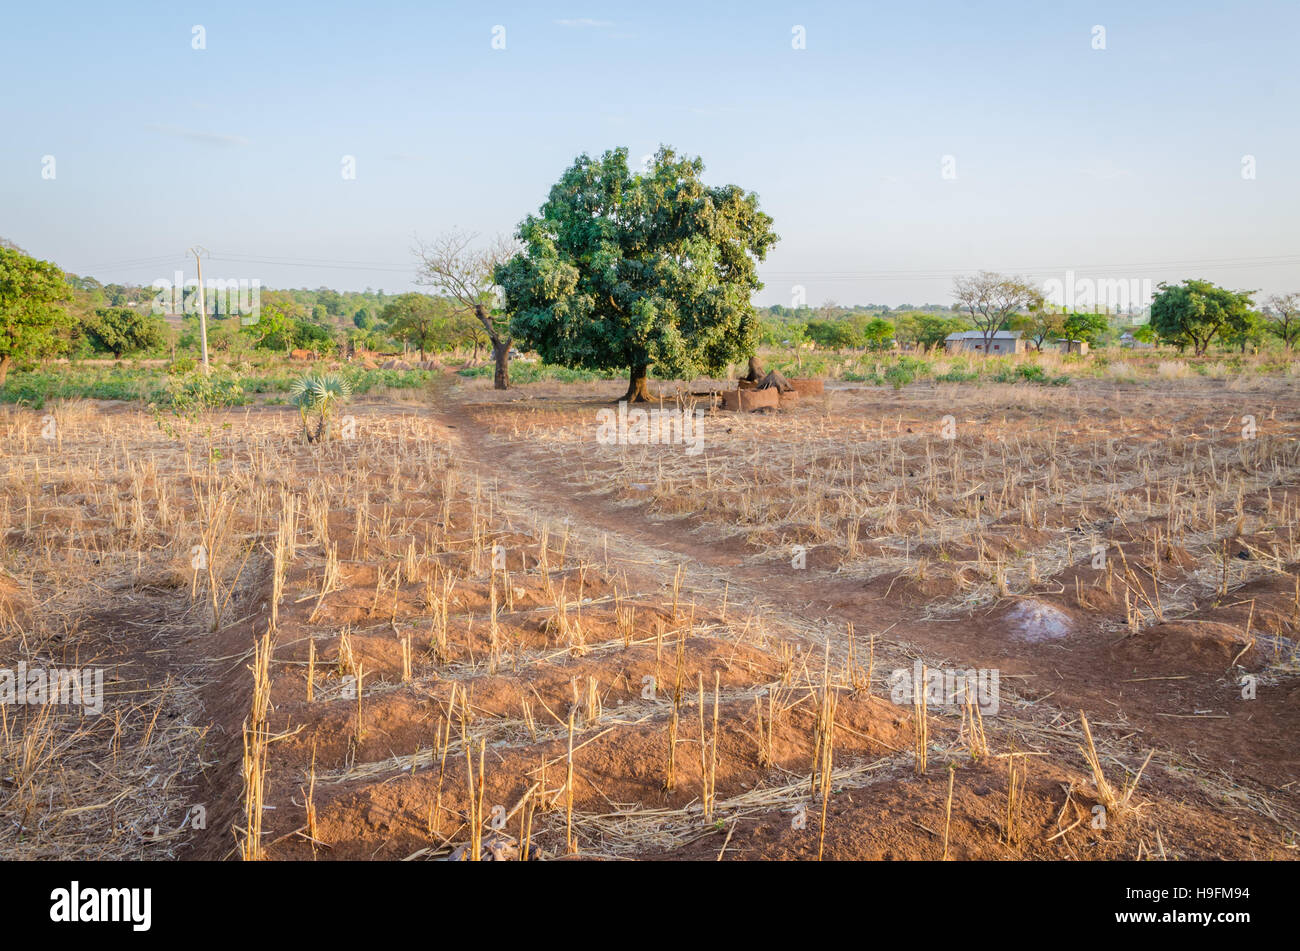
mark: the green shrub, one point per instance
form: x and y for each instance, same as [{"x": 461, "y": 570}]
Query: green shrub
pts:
[
  {"x": 1031, "y": 373},
  {"x": 197, "y": 392},
  {"x": 855, "y": 376},
  {"x": 363, "y": 381},
  {"x": 899, "y": 375},
  {"x": 35, "y": 388}
]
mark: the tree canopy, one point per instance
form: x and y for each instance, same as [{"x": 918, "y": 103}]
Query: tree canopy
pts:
[
  {"x": 622, "y": 269},
  {"x": 31, "y": 313},
  {"x": 123, "y": 330},
  {"x": 418, "y": 319},
  {"x": 1089, "y": 327},
  {"x": 1040, "y": 325},
  {"x": 1194, "y": 312},
  {"x": 926, "y": 330}
]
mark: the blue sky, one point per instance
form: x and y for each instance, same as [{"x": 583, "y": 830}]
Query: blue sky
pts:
[{"x": 1122, "y": 162}]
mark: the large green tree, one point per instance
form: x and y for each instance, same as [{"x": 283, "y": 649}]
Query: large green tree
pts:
[
  {"x": 277, "y": 321},
  {"x": 877, "y": 333},
  {"x": 418, "y": 319},
  {"x": 639, "y": 270},
  {"x": 123, "y": 330},
  {"x": 1090, "y": 327},
  {"x": 1247, "y": 331},
  {"x": 927, "y": 330},
  {"x": 32, "y": 315},
  {"x": 833, "y": 334},
  {"x": 1195, "y": 312}
]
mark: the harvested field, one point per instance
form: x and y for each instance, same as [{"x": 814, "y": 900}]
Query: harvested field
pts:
[{"x": 471, "y": 630}]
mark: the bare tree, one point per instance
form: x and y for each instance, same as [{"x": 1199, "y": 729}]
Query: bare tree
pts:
[
  {"x": 990, "y": 299},
  {"x": 1282, "y": 311},
  {"x": 455, "y": 266}
]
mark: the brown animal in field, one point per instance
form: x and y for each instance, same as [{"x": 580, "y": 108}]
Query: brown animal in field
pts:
[{"x": 302, "y": 355}]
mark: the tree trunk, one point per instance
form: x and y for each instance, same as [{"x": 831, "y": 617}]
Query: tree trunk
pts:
[
  {"x": 5, "y": 361},
  {"x": 637, "y": 390},
  {"x": 501, "y": 357},
  {"x": 755, "y": 370},
  {"x": 314, "y": 433}
]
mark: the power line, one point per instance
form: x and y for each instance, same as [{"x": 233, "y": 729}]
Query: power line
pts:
[
  {"x": 844, "y": 274},
  {"x": 334, "y": 265},
  {"x": 919, "y": 273},
  {"x": 878, "y": 274},
  {"x": 134, "y": 263}
]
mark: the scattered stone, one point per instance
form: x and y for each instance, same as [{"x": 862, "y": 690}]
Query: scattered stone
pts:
[{"x": 1037, "y": 621}]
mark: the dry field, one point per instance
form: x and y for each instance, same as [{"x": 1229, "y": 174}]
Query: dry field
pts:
[{"x": 471, "y": 630}]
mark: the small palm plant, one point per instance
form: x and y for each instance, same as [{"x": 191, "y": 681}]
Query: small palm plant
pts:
[{"x": 318, "y": 396}]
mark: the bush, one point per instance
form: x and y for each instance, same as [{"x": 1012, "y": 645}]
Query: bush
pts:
[
  {"x": 363, "y": 381},
  {"x": 1031, "y": 373},
  {"x": 899, "y": 375},
  {"x": 196, "y": 392},
  {"x": 35, "y": 388}
]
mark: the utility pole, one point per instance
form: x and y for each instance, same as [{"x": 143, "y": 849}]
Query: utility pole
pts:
[{"x": 203, "y": 311}]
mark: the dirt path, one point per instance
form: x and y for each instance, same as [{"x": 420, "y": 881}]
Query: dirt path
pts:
[
  {"x": 1240, "y": 761},
  {"x": 1216, "y": 785}
]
